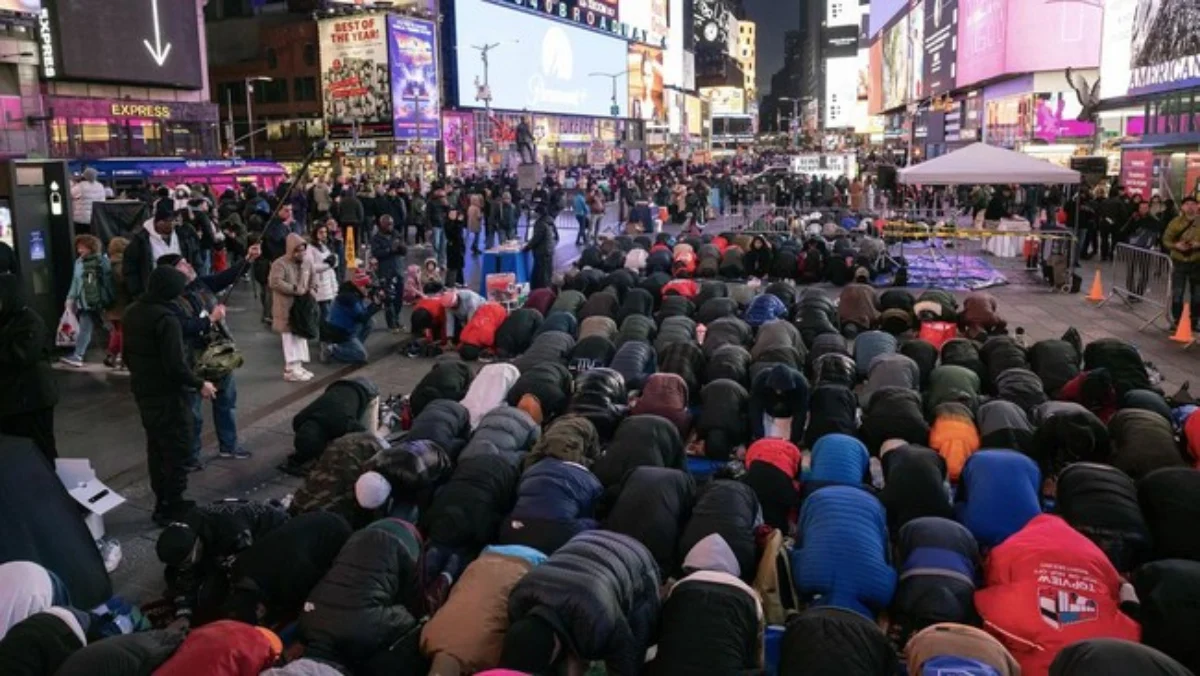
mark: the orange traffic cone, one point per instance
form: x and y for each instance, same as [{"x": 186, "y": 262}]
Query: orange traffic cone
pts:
[
  {"x": 1096, "y": 295},
  {"x": 1183, "y": 332}
]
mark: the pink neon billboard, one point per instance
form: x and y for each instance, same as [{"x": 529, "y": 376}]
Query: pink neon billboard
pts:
[{"x": 998, "y": 37}]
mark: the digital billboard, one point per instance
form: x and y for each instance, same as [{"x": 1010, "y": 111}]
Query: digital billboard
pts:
[
  {"x": 21, "y": 6},
  {"x": 674, "y": 54},
  {"x": 841, "y": 91},
  {"x": 725, "y": 100},
  {"x": 150, "y": 42},
  {"x": 897, "y": 69},
  {"x": 355, "y": 77},
  {"x": 1149, "y": 47},
  {"x": 982, "y": 25},
  {"x": 546, "y": 71},
  {"x": 646, "y": 84},
  {"x": 1056, "y": 117},
  {"x": 715, "y": 26},
  {"x": 412, "y": 48},
  {"x": 603, "y": 16},
  {"x": 941, "y": 46},
  {"x": 841, "y": 13},
  {"x": 882, "y": 12},
  {"x": 997, "y": 37},
  {"x": 916, "y": 51},
  {"x": 649, "y": 17}
]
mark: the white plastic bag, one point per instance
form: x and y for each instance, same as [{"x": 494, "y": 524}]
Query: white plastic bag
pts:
[{"x": 68, "y": 330}]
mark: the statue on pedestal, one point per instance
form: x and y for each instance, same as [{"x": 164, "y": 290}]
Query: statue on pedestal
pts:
[{"x": 525, "y": 143}]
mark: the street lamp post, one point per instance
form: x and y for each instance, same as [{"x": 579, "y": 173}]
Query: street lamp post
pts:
[
  {"x": 250, "y": 107},
  {"x": 616, "y": 108},
  {"x": 484, "y": 91},
  {"x": 794, "y": 122}
]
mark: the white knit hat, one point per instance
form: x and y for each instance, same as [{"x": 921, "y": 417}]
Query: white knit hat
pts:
[{"x": 372, "y": 490}]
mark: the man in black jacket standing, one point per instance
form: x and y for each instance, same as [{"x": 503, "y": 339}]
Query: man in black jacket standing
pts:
[
  {"x": 542, "y": 244},
  {"x": 28, "y": 393},
  {"x": 161, "y": 380}
]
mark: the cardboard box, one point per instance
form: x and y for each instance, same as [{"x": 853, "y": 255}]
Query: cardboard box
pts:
[{"x": 96, "y": 498}]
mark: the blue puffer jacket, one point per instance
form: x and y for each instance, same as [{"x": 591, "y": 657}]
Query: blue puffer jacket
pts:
[
  {"x": 998, "y": 493},
  {"x": 869, "y": 345},
  {"x": 555, "y": 501},
  {"x": 765, "y": 308},
  {"x": 839, "y": 459},
  {"x": 635, "y": 360},
  {"x": 939, "y": 569},
  {"x": 841, "y": 555},
  {"x": 780, "y": 392}
]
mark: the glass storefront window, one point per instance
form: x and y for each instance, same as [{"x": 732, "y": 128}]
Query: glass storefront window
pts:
[
  {"x": 60, "y": 141},
  {"x": 94, "y": 137},
  {"x": 145, "y": 137}
]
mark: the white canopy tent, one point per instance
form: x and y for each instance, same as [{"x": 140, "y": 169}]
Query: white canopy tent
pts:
[{"x": 980, "y": 163}]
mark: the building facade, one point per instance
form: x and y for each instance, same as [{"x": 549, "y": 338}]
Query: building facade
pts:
[{"x": 748, "y": 56}]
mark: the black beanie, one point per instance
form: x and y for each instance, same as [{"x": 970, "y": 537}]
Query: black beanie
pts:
[
  {"x": 175, "y": 543},
  {"x": 165, "y": 284},
  {"x": 529, "y": 646},
  {"x": 171, "y": 259}
]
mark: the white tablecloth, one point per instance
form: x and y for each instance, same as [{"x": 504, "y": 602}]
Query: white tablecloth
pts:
[{"x": 1006, "y": 246}]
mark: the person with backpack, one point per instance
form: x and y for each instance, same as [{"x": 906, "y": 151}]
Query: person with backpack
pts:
[{"x": 90, "y": 293}]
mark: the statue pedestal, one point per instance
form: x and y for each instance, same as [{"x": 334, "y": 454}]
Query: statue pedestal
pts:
[{"x": 529, "y": 175}]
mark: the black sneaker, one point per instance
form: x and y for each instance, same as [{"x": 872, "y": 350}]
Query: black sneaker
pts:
[
  {"x": 193, "y": 466},
  {"x": 169, "y": 513}
]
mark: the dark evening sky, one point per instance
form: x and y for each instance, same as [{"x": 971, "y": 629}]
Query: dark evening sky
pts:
[{"x": 774, "y": 18}]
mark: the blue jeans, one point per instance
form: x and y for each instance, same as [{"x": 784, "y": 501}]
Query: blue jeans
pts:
[
  {"x": 205, "y": 268},
  {"x": 439, "y": 244},
  {"x": 224, "y": 408},
  {"x": 87, "y": 324},
  {"x": 353, "y": 350}
]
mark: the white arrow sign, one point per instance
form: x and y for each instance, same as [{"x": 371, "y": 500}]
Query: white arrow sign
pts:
[{"x": 158, "y": 51}]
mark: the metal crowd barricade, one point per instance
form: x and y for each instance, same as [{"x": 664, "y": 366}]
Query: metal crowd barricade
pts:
[{"x": 1142, "y": 278}]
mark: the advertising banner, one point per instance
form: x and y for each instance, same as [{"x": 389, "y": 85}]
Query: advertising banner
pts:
[
  {"x": 840, "y": 41},
  {"x": 548, "y": 71},
  {"x": 412, "y": 46},
  {"x": 996, "y": 37},
  {"x": 648, "y": 16},
  {"x": 882, "y": 12},
  {"x": 982, "y": 25},
  {"x": 458, "y": 134},
  {"x": 1055, "y": 118},
  {"x": 1137, "y": 172},
  {"x": 916, "y": 51},
  {"x": 602, "y": 16},
  {"x": 1149, "y": 47},
  {"x": 726, "y": 100},
  {"x": 674, "y": 54},
  {"x": 941, "y": 45},
  {"x": 21, "y": 6},
  {"x": 841, "y": 13},
  {"x": 355, "y": 77},
  {"x": 897, "y": 69},
  {"x": 841, "y": 91},
  {"x": 695, "y": 116},
  {"x": 875, "y": 76},
  {"x": 646, "y": 100}
]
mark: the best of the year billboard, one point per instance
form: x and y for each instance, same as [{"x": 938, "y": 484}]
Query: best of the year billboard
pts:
[
  {"x": 412, "y": 47},
  {"x": 941, "y": 45},
  {"x": 549, "y": 70},
  {"x": 355, "y": 77},
  {"x": 1149, "y": 47}
]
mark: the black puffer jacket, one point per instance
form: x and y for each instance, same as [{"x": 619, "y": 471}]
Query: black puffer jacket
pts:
[
  {"x": 674, "y": 330},
  {"x": 1122, "y": 360},
  {"x": 925, "y": 354},
  {"x": 726, "y": 331},
  {"x": 828, "y": 641},
  {"x": 724, "y": 421},
  {"x": 780, "y": 392},
  {"x": 1170, "y": 501},
  {"x": 1114, "y": 657},
  {"x": 835, "y": 369},
  {"x": 445, "y": 423},
  {"x": 516, "y": 333},
  {"x": 1067, "y": 433},
  {"x": 337, "y": 412},
  {"x": 467, "y": 511},
  {"x": 637, "y": 327},
  {"x": 1003, "y": 424},
  {"x": 826, "y": 343},
  {"x": 601, "y": 397},
  {"x": 1142, "y": 441},
  {"x": 656, "y": 278},
  {"x": 999, "y": 354},
  {"x": 1101, "y": 502},
  {"x": 640, "y": 441},
  {"x": 549, "y": 346},
  {"x": 914, "y": 485},
  {"x": 601, "y": 304},
  {"x": 125, "y": 655},
  {"x": 962, "y": 352},
  {"x": 785, "y": 292},
  {"x": 448, "y": 379},
  {"x": 758, "y": 259},
  {"x": 896, "y": 299},
  {"x": 652, "y": 507},
  {"x": 816, "y": 315},
  {"x": 414, "y": 469},
  {"x": 1020, "y": 386},
  {"x": 590, "y": 353},
  {"x": 777, "y": 334},
  {"x": 637, "y": 302},
  {"x": 622, "y": 280},
  {"x": 550, "y": 382},
  {"x": 733, "y": 264},
  {"x": 600, "y": 593},
  {"x": 729, "y": 509},
  {"x": 893, "y": 413},
  {"x": 731, "y": 362},
  {"x": 505, "y": 431},
  {"x": 685, "y": 359},
  {"x": 1169, "y": 592},
  {"x": 369, "y": 597},
  {"x": 1055, "y": 361},
  {"x": 832, "y": 409},
  {"x": 674, "y": 306},
  {"x": 635, "y": 361},
  {"x": 716, "y": 308}
]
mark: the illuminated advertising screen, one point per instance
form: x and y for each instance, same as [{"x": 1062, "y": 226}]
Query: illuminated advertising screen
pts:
[
  {"x": 916, "y": 51},
  {"x": 355, "y": 76},
  {"x": 646, "y": 100},
  {"x": 674, "y": 54},
  {"x": 648, "y": 16},
  {"x": 412, "y": 47},
  {"x": 897, "y": 69},
  {"x": 841, "y": 91},
  {"x": 1055, "y": 118},
  {"x": 603, "y": 16},
  {"x": 1149, "y": 47},
  {"x": 997, "y": 37},
  {"x": 549, "y": 70},
  {"x": 841, "y": 13},
  {"x": 21, "y": 6},
  {"x": 941, "y": 45},
  {"x": 725, "y": 100}
]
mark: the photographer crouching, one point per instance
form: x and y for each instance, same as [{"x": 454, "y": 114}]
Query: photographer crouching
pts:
[{"x": 344, "y": 333}]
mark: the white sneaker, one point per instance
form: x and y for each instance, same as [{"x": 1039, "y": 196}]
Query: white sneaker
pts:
[
  {"x": 305, "y": 372},
  {"x": 294, "y": 376}
]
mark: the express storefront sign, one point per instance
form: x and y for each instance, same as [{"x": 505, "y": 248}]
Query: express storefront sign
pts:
[
  {"x": 597, "y": 15},
  {"x": 140, "y": 110}
]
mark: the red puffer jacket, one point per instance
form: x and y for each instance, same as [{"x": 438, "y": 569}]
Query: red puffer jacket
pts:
[
  {"x": 1046, "y": 587},
  {"x": 778, "y": 452},
  {"x": 481, "y": 330},
  {"x": 684, "y": 287},
  {"x": 224, "y": 648}
]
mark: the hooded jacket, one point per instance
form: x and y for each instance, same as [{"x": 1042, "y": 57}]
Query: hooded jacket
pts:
[
  {"x": 731, "y": 362},
  {"x": 939, "y": 569},
  {"x": 549, "y": 383},
  {"x": 337, "y": 412},
  {"x": 288, "y": 279},
  {"x": 712, "y": 622},
  {"x": 1122, "y": 360},
  {"x": 1169, "y": 593},
  {"x": 556, "y": 500},
  {"x": 600, "y": 594},
  {"x": 724, "y": 421},
  {"x": 1068, "y": 433},
  {"x": 139, "y": 653},
  {"x": 466, "y": 512},
  {"x": 666, "y": 395},
  {"x": 925, "y": 354},
  {"x": 1114, "y": 657},
  {"x": 914, "y": 486},
  {"x": 1047, "y": 587},
  {"x": 674, "y": 330},
  {"x": 870, "y": 345},
  {"x": 468, "y": 631},
  {"x": 515, "y": 335},
  {"x": 947, "y": 641},
  {"x": 559, "y": 320},
  {"x": 816, "y": 315},
  {"x": 841, "y": 553},
  {"x": 893, "y": 413},
  {"x": 685, "y": 359},
  {"x": 674, "y": 306},
  {"x": 716, "y": 308},
  {"x": 223, "y": 648},
  {"x": 779, "y": 395},
  {"x": 153, "y": 340},
  {"x": 636, "y": 328},
  {"x": 1020, "y": 386},
  {"x": 1100, "y": 501},
  {"x": 1142, "y": 441},
  {"x": 601, "y": 304},
  {"x": 446, "y": 423},
  {"x": 572, "y": 438},
  {"x": 980, "y": 314},
  {"x": 858, "y": 304},
  {"x": 482, "y": 328},
  {"x": 548, "y": 346},
  {"x": 600, "y": 396},
  {"x": 954, "y": 436},
  {"x": 950, "y": 383},
  {"x": 998, "y": 493},
  {"x": 835, "y": 369},
  {"x": 1001, "y": 353},
  {"x": 369, "y": 598},
  {"x": 1003, "y": 424},
  {"x": 1054, "y": 361},
  {"x": 833, "y": 409},
  {"x": 635, "y": 361},
  {"x": 447, "y": 379},
  {"x": 838, "y": 459},
  {"x": 765, "y": 308},
  {"x": 489, "y": 389},
  {"x": 832, "y": 641},
  {"x": 505, "y": 431},
  {"x": 640, "y": 441},
  {"x": 891, "y": 370},
  {"x": 412, "y": 470},
  {"x": 729, "y": 509},
  {"x": 772, "y": 469},
  {"x": 1170, "y": 502},
  {"x": 758, "y": 258},
  {"x": 598, "y": 326},
  {"x": 40, "y": 643},
  {"x": 568, "y": 301},
  {"x": 653, "y": 506},
  {"x": 726, "y": 331},
  {"x": 26, "y": 381}
]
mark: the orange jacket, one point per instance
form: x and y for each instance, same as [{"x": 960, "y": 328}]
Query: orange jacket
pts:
[{"x": 955, "y": 437}]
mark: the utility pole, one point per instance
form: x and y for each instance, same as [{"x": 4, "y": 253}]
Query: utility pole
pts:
[
  {"x": 250, "y": 107},
  {"x": 616, "y": 108},
  {"x": 484, "y": 91},
  {"x": 229, "y": 130}
]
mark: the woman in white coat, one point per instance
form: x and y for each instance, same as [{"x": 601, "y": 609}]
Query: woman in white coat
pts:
[{"x": 324, "y": 266}]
